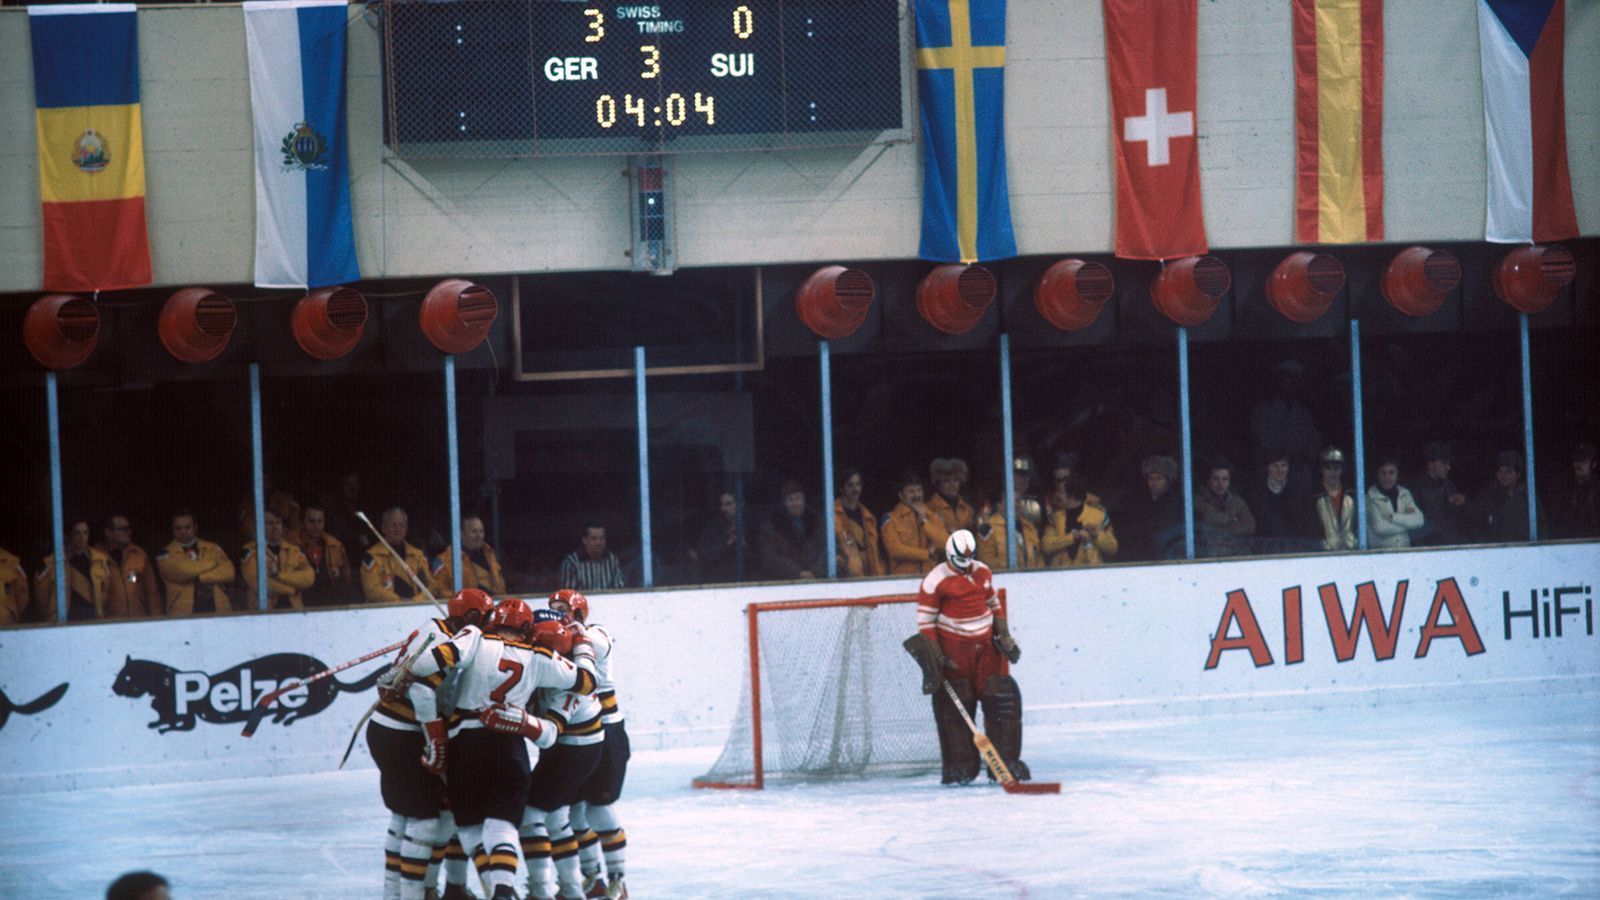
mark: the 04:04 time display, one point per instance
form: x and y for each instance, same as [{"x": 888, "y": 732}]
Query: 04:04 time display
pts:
[{"x": 673, "y": 110}]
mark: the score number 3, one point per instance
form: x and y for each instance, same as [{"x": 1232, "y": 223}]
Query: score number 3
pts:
[{"x": 597, "y": 26}]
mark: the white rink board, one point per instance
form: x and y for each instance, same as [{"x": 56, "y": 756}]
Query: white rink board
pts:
[{"x": 1119, "y": 642}]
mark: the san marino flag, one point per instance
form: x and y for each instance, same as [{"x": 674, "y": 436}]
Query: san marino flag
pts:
[
  {"x": 303, "y": 233},
  {"x": 91, "y": 146}
]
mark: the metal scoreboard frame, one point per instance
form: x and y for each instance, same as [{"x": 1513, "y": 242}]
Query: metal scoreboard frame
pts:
[{"x": 499, "y": 78}]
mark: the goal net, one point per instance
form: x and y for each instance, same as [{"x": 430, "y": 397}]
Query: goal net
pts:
[{"x": 829, "y": 694}]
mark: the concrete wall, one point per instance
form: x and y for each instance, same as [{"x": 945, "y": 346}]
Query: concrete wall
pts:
[{"x": 530, "y": 215}]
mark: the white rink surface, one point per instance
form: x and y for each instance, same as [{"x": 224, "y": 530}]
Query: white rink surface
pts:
[{"x": 1448, "y": 798}]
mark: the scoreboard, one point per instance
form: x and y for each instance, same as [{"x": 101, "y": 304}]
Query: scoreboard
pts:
[{"x": 539, "y": 77}]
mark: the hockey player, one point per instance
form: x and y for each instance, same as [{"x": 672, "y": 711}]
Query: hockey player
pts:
[
  {"x": 485, "y": 759},
  {"x": 412, "y": 793},
  {"x": 593, "y": 819},
  {"x": 960, "y": 639}
]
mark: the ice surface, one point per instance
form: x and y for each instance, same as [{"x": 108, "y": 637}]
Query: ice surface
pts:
[{"x": 1448, "y": 798}]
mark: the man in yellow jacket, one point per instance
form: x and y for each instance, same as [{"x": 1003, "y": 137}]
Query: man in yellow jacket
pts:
[
  {"x": 196, "y": 573},
  {"x": 992, "y": 552},
  {"x": 288, "y": 570},
  {"x": 949, "y": 478},
  {"x": 1078, "y": 533},
  {"x": 480, "y": 566},
  {"x": 913, "y": 538},
  {"x": 13, "y": 589},
  {"x": 88, "y": 579},
  {"x": 383, "y": 578},
  {"x": 135, "y": 588},
  {"x": 857, "y": 531}
]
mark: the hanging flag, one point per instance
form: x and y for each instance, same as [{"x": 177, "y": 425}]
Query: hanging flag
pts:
[
  {"x": 304, "y": 237},
  {"x": 961, "y": 57},
  {"x": 1338, "y": 113},
  {"x": 1522, "y": 47},
  {"x": 1150, "y": 56},
  {"x": 91, "y": 146}
]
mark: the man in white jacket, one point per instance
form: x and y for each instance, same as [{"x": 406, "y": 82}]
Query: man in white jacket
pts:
[{"x": 1392, "y": 513}]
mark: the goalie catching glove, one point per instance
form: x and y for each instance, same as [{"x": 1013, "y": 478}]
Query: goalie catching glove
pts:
[
  {"x": 1003, "y": 642},
  {"x": 516, "y": 720},
  {"x": 435, "y": 747}
]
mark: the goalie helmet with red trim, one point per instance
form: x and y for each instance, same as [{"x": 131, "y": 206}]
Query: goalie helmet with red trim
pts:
[
  {"x": 551, "y": 631},
  {"x": 471, "y": 600},
  {"x": 513, "y": 615},
  {"x": 577, "y": 605}
]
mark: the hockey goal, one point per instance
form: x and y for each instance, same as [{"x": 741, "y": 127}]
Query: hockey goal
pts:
[{"x": 830, "y": 694}]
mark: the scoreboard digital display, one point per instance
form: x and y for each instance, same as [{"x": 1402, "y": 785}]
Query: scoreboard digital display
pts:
[{"x": 548, "y": 78}]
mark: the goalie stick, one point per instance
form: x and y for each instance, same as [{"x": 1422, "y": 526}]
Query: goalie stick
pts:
[
  {"x": 260, "y": 710},
  {"x": 361, "y": 722},
  {"x": 992, "y": 756}
]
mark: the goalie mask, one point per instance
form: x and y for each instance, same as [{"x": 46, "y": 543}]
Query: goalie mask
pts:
[{"x": 960, "y": 548}]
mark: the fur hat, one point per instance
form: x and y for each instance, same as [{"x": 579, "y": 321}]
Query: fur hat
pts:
[{"x": 943, "y": 468}]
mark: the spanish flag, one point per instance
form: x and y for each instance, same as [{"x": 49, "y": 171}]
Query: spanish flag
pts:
[
  {"x": 91, "y": 146},
  {"x": 1338, "y": 111}
]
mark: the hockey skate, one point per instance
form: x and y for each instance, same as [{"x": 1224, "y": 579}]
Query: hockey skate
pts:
[
  {"x": 594, "y": 886},
  {"x": 616, "y": 888},
  {"x": 456, "y": 892}
]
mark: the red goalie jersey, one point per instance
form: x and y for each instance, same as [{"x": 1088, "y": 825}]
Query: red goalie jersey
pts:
[{"x": 956, "y": 606}]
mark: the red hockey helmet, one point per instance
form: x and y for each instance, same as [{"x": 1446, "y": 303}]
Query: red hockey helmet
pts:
[
  {"x": 550, "y": 632},
  {"x": 577, "y": 604},
  {"x": 512, "y": 614},
  {"x": 469, "y": 600}
]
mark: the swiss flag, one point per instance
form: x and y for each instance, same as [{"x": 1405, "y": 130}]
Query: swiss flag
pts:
[{"x": 1150, "y": 57}]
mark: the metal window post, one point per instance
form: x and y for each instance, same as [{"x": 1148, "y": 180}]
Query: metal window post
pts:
[
  {"x": 57, "y": 514},
  {"x": 1188, "y": 452},
  {"x": 455, "y": 470},
  {"x": 258, "y": 487},
  {"x": 1009, "y": 450},
  {"x": 825, "y": 363},
  {"x": 645, "y": 562},
  {"x": 1359, "y": 451},
  {"x": 1527, "y": 428}
]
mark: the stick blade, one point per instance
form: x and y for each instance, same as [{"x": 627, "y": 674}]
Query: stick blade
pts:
[{"x": 1033, "y": 787}]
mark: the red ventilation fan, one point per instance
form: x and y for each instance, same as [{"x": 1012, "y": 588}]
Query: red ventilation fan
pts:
[
  {"x": 1188, "y": 290},
  {"x": 1303, "y": 286},
  {"x": 61, "y": 330},
  {"x": 1530, "y": 278},
  {"x": 456, "y": 315},
  {"x": 1418, "y": 279},
  {"x": 953, "y": 298},
  {"x": 834, "y": 301},
  {"x": 1072, "y": 293},
  {"x": 328, "y": 323},
  {"x": 196, "y": 324}
]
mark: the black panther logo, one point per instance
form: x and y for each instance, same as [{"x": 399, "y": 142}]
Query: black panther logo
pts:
[
  {"x": 179, "y": 698},
  {"x": 33, "y": 707}
]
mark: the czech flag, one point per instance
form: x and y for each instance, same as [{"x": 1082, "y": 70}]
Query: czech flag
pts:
[
  {"x": 1522, "y": 44},
  {"x": 91, "y": 146},
  {"x": 304, "y": 235}
]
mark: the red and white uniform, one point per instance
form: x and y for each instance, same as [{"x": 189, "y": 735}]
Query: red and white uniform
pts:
[
  {"x": 495, "y": 670},
  {"x": 957, "y": 610}
]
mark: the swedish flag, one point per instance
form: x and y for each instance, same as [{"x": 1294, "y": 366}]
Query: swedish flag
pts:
[{"x": 961, "y": 56}]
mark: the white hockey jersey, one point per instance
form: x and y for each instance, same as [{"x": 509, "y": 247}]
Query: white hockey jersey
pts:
[
  {"x": 606, "y": 688},
  {"x": 577, "y": 717},
  {"x": 500, "y": 670},
  {"x": 429, "y": 695}
]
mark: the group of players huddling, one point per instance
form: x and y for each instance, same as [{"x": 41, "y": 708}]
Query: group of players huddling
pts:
[{"x": 451, "y": 737}]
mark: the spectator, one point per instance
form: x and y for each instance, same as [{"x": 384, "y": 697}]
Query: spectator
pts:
[
  {"x": 1067, "y": 465},
  {"x": 992, "y": 552},
  {"x": 280, "y": 502},
  {"x": 721, "y": 551},
  {"x": 288, "y": 572},
  {"x": 1281, "y": 421},
  {"x": 341, "y": 510},
  {"x": 913, "y": 539},
  {"x": 1392, "y": 513},
  {"x": 860, "y": 553},
  {"x": 139, "y": 886},
  {"x": 1443, "y": 507},
  {"x": 1499, "y": 513},
  {"x": 949, "y": 476},
  {"x": 1335, "y": 508},
  {"x": 480, "y": 567},
  {"x": 793, "y": 543},
  {"x": 195, "y": 573},
  {"x": 13, "y": 589},
  {"x": 88, "y": 578},
  {"x": 1577, "y": 509},
  {"x": 1222, "y": 519},
  {"x": 1152, "y": 527},
  {"x": 1280, "y": 508},
  {"x": 592, "y": 567},
  {"x": 1077, "y": 533},
  {"x": 383, "y": 568},
  {"x": 329, "y": 561},
  {"x": 133, "y": 591}
]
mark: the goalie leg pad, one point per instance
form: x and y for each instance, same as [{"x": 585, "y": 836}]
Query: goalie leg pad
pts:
[
  {"x": 956, "y": 750},
  {"x": 1002, "y": 721}
]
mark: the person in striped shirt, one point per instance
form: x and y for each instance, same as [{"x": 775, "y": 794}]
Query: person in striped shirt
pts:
[{"x": 592, "y": 567}]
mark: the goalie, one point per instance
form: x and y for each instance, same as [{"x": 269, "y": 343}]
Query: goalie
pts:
[{"x": 960, "y": 638}]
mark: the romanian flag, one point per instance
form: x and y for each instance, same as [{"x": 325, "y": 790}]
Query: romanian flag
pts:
[
  {"x": 961, "y": 57},
  {"x": 91, "y": 146},
  {"x": 1338, "y": 104}
]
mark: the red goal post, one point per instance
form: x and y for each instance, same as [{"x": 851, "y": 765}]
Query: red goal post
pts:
[{"x": 830, "y": 695}]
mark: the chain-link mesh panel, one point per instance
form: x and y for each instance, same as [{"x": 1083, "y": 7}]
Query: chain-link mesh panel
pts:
[
  {"x": 840, "y": 697},
  {"x": 497, "y": 78}
]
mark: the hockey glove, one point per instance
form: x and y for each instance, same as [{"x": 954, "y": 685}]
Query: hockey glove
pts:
[
  {"x": 515, "y": 720},
  {"x": 1001, "y": 637},
  {"x": 393, "y": 683},
  {"x": 930, "y": 658},
  {"x": 435, "y": 748}
]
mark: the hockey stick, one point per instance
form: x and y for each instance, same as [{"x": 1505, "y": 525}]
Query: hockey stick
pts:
[
  {"x": 992, "y": 756},
  {"x": 361, "y": 722},
  {"x": 259, "y": 711},
  {"x": 402, "y": 561}
]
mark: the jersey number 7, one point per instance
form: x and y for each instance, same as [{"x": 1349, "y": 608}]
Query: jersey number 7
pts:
[{"x": 498, "y": 695}]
